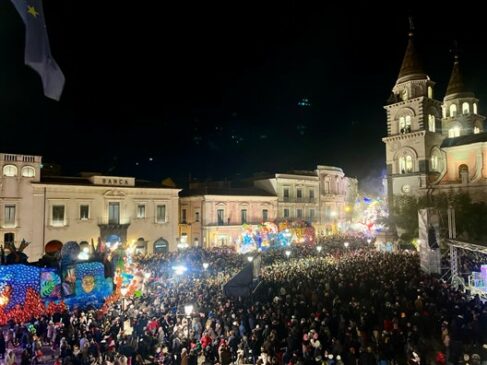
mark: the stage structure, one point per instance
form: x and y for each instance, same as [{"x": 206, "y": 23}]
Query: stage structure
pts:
[
  {"x": 477, "y": 281},
  {"x": 246, "y": 282},
  {"x": 429, "y": 248}
]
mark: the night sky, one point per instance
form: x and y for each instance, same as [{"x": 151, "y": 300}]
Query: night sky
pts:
[{"x": 222, "y": 89}]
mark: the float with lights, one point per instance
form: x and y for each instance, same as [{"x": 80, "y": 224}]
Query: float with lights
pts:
[
  {"x": 28, "y": 291},
  {"x": 270, "y": 235}
]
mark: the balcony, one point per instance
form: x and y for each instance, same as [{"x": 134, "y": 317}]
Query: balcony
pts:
[{"x": 298, "y": 200}]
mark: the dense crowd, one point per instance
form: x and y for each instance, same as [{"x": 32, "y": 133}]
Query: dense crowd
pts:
[{"x": 341, "y": 306}]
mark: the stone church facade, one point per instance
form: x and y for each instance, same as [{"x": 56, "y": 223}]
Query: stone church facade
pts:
[{"x": 433, "y": 145}]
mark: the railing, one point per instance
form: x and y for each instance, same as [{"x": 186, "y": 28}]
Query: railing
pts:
[
  {"x": 299, "y": 200},
  {"x": 19, "y": 158}
]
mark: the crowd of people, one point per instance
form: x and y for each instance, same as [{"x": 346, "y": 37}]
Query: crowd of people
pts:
[{"x": 342, "y": 305}]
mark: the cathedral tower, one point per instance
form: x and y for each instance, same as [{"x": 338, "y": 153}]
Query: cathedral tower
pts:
[
  {"x": 460, "y": 115},
  {"x": 414, "y": 132}
]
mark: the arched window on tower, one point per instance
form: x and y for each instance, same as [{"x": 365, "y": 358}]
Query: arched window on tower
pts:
[
  {"x": 465, "y": 108},
  {"x": 431, "y": 123},
  {"x": 10, "y": 170},
  {"x": 406, "y": 164},
  {"x": 475, "y": 108},
  {"x": 476, "y": 130},
  {"x": 454, "y": 132},
  {"x": 430, "y": 92},
  {"x": 435, "y": 161},
  {"x": 453, "y": 110},
  {"x": 28, "y": 171},
  {"x": 405, "y": 124}
]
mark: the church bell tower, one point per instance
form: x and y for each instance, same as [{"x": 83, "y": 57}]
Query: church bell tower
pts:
[{"x": 413, "y": 129}]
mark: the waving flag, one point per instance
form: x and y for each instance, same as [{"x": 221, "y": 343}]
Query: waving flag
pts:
[{"x": 37, "y": 50}]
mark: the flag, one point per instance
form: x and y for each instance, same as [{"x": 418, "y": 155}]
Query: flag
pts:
[{"x": 37, "y": 50}]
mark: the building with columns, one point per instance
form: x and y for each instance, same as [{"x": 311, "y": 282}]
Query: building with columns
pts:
[
  {"x": 213, "y": 215},
  {"x": 324, "y": 197},
  {"x": 433, "y": 145},
  {"x": 43, "y": 209}
]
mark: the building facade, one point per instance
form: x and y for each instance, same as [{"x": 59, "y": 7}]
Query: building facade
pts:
[
  {"x": 323, "y": 197},
  {"x": 433, "y": 145},
  {"x": 118, "y": 209},
  {"x": 213, "y": 217}
]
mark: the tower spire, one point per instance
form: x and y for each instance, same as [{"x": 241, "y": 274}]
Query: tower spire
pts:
[
  {"x": 411, "y": 68},
  {"x": 455, "y": 85}
]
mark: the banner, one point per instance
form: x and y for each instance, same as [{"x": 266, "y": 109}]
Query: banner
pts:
[
  {"x": 69, "y": 281},
  {"x": 50, "y": 285}
]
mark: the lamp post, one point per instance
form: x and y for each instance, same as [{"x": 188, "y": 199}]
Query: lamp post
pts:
[
  {"x": 188, "y": 309},
  {"x": 334, "y": 215},
  {"x": 346, "y": 244},
  {"x": 123, "y": 291},
  {"x": 319, "y": 248},
  {"x": 250, "y": 258},
  {"x": 288, "y": 253},
  {"x": 369, "y": 240},
  {"x": 205, "y": 266}
]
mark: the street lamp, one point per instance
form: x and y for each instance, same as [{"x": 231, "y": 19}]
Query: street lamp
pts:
[
  {"x": 346, "y": 244},
  {"x": 250, "y": 258},
  {"x": 288, "y": 253},
  {"x": 123, "y": 291},
  {"x": 188, "y": 309},
  {"x": 319, "y": 248},
  {"x": 369, "y": 240},
  {"x": 205, "y": 266}
]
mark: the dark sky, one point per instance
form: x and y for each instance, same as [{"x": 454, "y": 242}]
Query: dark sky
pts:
[{"x": 213, "y": 88}]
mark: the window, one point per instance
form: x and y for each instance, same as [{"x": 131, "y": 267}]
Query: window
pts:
[
  {"x": 311, "y": 194},
  {"x": 299, "y": 213},
  {"x": 327, "y": 186},
  {"x": 10, "y": 170},
  {"x": 453, "y": 110},
  {"x": 475, "y": 108},
  {"x": 454, "y": 132},
  {"x": 463, "y": 173},
  {"x": 405, "y": 124},
  {"x": 443, "y": 111},
  {"x": 286, "y": 213},
  {"x": 243, "y": 216},
  {"x": 286, "y": 193},
  {"x": 430, "y": 92},
  {"x": 140, "y": 211},
  {"x": 476, "y": 130},
  {"x": 265, "y": 215},
  {"x": 465, "y": 108},
  {"x": 434, "y": 162},
  {"x": 84, "y": 212},
  {"x": 183, "y": 215},
  {"x": 405, "y": 164},
  {"x": 161, "y": 213},
  {"x": 197, "y": 216},
  {"x": 9, "y": 238},
  {"x": 311, "y": 215},
  {"x": 9, "y": 217},
  {"x": 220, "y": 216},
  {"x": 28, "y": 171},
  {"x": 58, "y": 214},
  {"x": 431, "y": 123},
  {"x": 113, "y": 213},
  {"x": 299, "y": 193}
]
